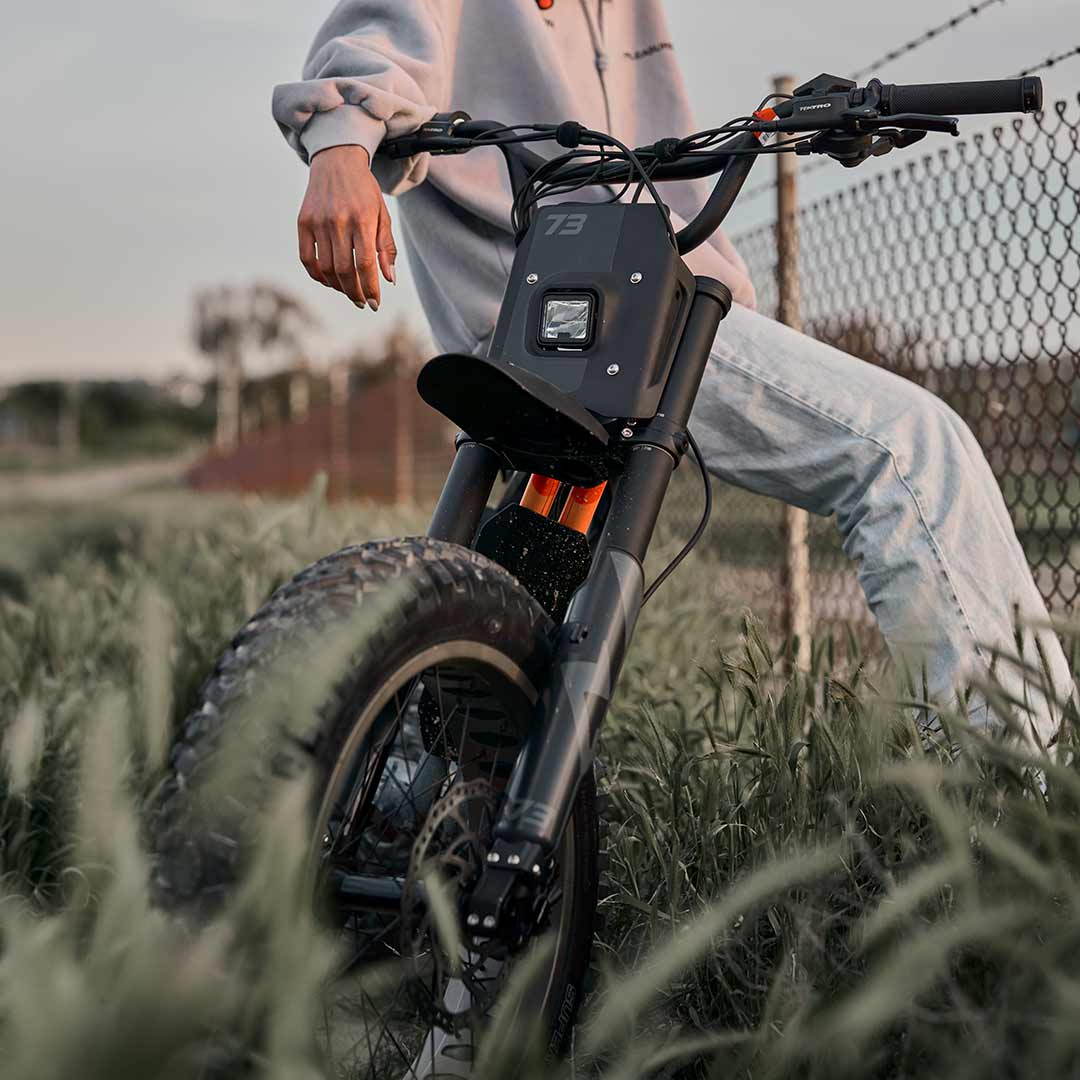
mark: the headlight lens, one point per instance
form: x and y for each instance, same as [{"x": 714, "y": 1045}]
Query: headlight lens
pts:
[{"x": 566, "y": 320}]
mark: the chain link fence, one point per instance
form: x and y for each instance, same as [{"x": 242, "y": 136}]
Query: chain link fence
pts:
[{"x": 959, "y": 270}]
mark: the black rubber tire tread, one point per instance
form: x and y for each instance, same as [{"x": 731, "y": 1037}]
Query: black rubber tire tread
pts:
[{"x": 438, "y": 592}]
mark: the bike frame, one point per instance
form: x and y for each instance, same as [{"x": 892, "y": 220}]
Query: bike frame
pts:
[{"x": 664, "y": 338}]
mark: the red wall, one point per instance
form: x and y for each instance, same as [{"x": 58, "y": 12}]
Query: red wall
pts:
[{"x": 397, "y": 447}]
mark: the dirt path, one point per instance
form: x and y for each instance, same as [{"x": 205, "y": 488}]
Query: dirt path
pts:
[{"x": 92, "y": 483}]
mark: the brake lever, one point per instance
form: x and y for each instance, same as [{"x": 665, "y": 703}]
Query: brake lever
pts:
[{"x": 946, "y": 125}]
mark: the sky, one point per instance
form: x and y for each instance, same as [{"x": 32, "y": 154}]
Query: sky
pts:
[{"x": 140, "y": 162}]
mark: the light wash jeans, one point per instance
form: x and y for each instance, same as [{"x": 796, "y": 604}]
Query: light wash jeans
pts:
[{"x": 916, "y": 503}]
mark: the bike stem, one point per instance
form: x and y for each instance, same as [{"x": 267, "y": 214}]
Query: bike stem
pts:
[{"x": 592, "y": 641}]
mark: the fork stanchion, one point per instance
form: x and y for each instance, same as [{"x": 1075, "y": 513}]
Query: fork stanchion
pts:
[
  {"x": 539, "y": 494},
  {"x": 465, "y": 493},
  {"x": 581, "y": 507}
]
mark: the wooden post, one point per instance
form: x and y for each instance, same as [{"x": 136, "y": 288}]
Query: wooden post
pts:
[
  {"x": 404, "y": 446},
  {"x": 339, "y": 429},
  {"x": 227, "y": 436},
  {"x": 796, "y": 576},
  {"x": 299, "y": 391}
]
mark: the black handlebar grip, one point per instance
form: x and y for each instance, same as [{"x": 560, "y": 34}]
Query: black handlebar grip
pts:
[{"x": 964, "y": 98}]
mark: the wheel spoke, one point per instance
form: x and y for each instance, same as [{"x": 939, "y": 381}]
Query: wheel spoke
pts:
[{"x": 442, "y": 732}]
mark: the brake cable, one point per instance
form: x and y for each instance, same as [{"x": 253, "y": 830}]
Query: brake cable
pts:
[{"x": 698, "y": 532}]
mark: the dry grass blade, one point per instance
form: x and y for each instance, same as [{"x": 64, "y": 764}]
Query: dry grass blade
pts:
[
  {"x": 154, "y": 634},
  {"x": 24, "y": 743},
  {"x": 444, "y": 915},
  {"x": 623, "y": 1004},
  {"x": 894, "y": 986},
  {"x": 903, "y": 902},
  {"x": 513, "y": 1041}
]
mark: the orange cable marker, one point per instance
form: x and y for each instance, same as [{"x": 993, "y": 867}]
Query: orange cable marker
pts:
[
  {"x": 540, "y": 494},
  {"x": 581, "y": 506},
  {"x": 765, "y": 137}
]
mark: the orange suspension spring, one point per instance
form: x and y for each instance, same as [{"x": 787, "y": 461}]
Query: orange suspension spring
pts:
[{"x": 581, "y": 506}]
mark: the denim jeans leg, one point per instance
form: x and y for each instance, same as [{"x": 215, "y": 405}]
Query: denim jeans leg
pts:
[{"x": 916, "y": 503}]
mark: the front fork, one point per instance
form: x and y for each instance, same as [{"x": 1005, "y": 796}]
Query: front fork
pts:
[{"x": 592, "y": 640}]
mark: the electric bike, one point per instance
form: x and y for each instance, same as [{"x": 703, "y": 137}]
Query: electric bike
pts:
[{"x": 453, "y": 750}]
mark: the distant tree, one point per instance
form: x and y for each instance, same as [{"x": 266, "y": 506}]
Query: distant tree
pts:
[
  {"x": 230, "y": 323},
  {"x": 114, "y": 417}
]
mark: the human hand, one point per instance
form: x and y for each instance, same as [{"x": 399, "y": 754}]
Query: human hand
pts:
[{"x": 344, "y": 226}]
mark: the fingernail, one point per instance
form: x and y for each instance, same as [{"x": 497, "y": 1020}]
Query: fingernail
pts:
[
  {"x": 393, "y": 275},
  {"x": 374, "y": 305},
  {"x": 359, "y": 303}
]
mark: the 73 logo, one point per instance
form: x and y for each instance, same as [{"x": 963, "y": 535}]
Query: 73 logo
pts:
[{"x": 566, "y": 224}]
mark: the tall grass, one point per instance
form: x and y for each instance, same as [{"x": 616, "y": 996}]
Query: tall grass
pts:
[{"x": 800, "y": 882}]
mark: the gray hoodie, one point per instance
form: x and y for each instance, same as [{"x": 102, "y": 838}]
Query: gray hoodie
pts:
[{"x": 380, "y": 68}]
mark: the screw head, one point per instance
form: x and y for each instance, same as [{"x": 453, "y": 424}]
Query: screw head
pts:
[
  {"x": 473, "y": 920},
  {"x": 627, "y": 433},
  {"x": 493, "y": 856},
  {"x": 489, "y": 922},
  {"x": 513, "y": 860},
  {"x": 613, "y": 369},
  {"x": 536, "y": 869},
  {"x": 532, "y": 279},
  {"x": 635, "y": 278}
]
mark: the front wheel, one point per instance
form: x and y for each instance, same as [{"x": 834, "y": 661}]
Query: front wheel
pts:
[{"x": 411, "y": 750}]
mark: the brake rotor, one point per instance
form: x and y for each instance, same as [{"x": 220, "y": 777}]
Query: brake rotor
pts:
[{"x": 452, "y": 846}]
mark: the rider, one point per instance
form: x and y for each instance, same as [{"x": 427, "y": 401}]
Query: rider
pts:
[{"x": 778, "y": 413}]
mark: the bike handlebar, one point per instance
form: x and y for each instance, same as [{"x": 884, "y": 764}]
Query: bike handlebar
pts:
[
  {"x": 853, "y": 115},
  {"x": 964, "y": 98},
  {"x": 928, "y": 99},
  {"x": 722, "y": 197}
]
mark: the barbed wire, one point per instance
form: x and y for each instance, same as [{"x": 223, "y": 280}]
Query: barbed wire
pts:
[
  {"x": 1049, "y": 62},
  {"x": 928, "y": 35}
]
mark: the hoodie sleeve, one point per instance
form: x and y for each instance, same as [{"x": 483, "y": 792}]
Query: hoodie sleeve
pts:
[{"x": 377, "y": 69}]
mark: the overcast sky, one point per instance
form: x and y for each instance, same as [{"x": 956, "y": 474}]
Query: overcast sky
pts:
[{"x": 140, "y": 161}]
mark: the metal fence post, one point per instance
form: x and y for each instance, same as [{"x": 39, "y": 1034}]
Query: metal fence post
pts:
[{"x": 796, "y": 574}]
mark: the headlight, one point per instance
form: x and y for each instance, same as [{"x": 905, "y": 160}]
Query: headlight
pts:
[{"x": 567, "y": 321}]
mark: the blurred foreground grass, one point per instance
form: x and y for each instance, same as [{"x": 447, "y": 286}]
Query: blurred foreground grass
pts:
[{"x": 797, "y": 886}]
